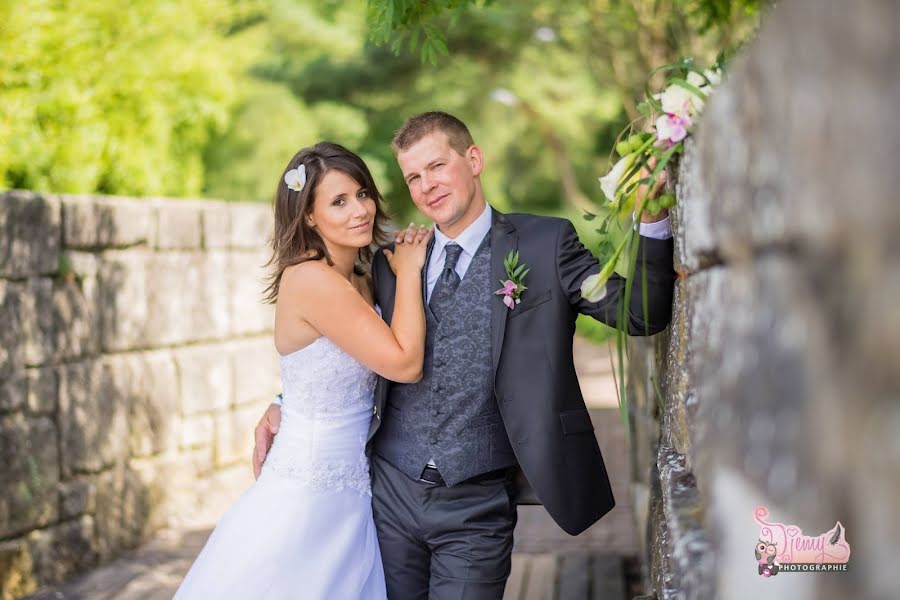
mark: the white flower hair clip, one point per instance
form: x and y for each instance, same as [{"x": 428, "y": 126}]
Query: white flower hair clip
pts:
[{"x": 296, "y": 178}]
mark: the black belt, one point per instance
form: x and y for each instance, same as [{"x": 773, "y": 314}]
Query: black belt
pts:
[{"x": 432, "y": 475}]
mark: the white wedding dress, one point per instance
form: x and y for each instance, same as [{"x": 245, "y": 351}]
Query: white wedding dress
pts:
[{"x": 304, "y": 529}]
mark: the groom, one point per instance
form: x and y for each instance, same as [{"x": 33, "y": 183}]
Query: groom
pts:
[{"x": 499, "y": 391}]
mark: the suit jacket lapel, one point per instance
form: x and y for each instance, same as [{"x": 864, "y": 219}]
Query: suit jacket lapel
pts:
[
  {"x": 425, "y": 276},
  {"x": 503, "y": 240}
]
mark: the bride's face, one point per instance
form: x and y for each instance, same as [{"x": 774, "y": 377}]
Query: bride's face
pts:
[{"x": 343, "y": 211}]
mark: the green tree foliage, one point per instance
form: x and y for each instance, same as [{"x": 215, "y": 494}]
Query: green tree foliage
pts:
[
  {"x": 213, "y": 97},
  {"x": 99, "y": 97}
]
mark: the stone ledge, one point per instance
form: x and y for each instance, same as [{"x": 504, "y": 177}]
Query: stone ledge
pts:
[{"x": 92, "y": 222}]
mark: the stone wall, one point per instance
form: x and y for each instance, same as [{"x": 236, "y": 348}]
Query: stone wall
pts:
[
  {"x": 135, "y": 358},
  {"x": 779, "y": 377}
]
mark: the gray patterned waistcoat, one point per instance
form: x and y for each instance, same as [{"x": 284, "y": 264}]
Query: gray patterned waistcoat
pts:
[{"x": 451, "y": 414}]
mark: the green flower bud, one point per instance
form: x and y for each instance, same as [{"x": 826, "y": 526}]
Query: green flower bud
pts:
[
  {"x": 653, "y": 207},
  {"x": 623, "y": 148},
  {"x": 635, "y": 141}
]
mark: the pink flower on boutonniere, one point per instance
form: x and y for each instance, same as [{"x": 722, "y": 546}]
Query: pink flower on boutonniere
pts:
[
  {"x": 509, "y": 288},
  {"x": 515, "y": 284}
]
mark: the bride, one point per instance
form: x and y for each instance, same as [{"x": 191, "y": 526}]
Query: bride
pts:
[{"x": 304, "y": 529}]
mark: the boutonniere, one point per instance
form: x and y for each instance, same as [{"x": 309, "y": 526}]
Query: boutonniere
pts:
[{"x": 515, "y": 280}]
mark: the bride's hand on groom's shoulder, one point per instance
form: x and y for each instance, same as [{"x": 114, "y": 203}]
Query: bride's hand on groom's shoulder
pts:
[
  {"x": 411, "y": 245},
  {"x": 264, "y": 435}
]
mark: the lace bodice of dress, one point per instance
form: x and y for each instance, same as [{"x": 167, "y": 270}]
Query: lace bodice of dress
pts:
[
  {"x": 323, "y": 381},
  {"x": 328, "y": 401}
]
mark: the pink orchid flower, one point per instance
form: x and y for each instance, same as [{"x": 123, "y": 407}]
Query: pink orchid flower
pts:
[
  {"x": 672, "y": 127},
  {"x": 509, "y": 287},
  {"x": 507, "y": 291}
]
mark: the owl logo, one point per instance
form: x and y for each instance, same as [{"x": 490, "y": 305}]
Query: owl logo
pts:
[{"x": 765, "y": 557}]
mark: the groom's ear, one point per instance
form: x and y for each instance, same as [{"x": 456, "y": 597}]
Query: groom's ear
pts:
[{"x": 476, "y": 159}]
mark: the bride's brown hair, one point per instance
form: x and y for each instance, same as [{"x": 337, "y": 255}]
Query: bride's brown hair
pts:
[{"x": 293, "y": 240}]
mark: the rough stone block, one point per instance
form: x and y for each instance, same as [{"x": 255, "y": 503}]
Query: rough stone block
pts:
[
  {"x": 13, "y": 392},
  {"x": 16, "y": 570},
  {"x": 93, "y": 399},
  {"x": 210, "y": 309},
  {"x": 64, "y": 550},
  {"x": 76, "y": 320},
  {"x": 43, "y": 390},
  {"x": 153, "y": 407},
  {"x": 124, "y": 287},
  {"x": 147, "y": 490},
  {"x": 12, "y": 357},
  {"x": 30, "y": 234},
  {"x": 676, "y": 388},
  {"x": 692, "y": 227},
  {"x": 251, "y": 225},
  {"x": 216, "y": 225},
  {"x": 691, "y": 556},
  {"x": 204, "y": 375},
  {"x": 247, "y": 279},
  {"x": 157, "y": 300},
  {"x": 110, "y": 512},
  {"x": 91, "y": 222},
  {"x": 256, "y": 370},
  {"x": 179, "y": 224},
  {"x": 77, "y": 496},
  {"x": 234, "y": 435},
  {"x": 29, "y": 472},
  {"x": 37, "y": 322},
  {"x": 197, "y": 431}
]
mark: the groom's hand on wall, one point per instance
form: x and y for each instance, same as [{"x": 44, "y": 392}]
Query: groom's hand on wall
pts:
[
  {"x": 658, "y": 188},
  {"x": 264, "y": 434}
]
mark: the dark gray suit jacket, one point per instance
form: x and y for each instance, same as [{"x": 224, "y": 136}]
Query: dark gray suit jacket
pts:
[{"x": 535, "y": 383}]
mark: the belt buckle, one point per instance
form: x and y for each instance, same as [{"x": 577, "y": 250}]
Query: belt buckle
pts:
[{"x": 437, "y": 474}]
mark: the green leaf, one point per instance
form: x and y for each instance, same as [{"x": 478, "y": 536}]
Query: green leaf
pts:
[{"x": 691, "y": 88}]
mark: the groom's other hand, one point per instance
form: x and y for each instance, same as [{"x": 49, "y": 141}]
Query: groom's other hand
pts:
[
  {"x": 264, "y": 434},
  {"x": 658, "y": 187}
]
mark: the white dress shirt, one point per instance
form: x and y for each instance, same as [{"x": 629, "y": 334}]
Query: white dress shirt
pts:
[{"x": 469, "y": 239}]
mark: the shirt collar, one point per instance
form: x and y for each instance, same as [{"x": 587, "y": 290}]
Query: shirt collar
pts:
[{"x": 471, "y": 236}]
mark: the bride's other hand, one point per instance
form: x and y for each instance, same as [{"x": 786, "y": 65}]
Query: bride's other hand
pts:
[
  {"x": 410, "y": 249},
  {"x": 264, "y": 435}
]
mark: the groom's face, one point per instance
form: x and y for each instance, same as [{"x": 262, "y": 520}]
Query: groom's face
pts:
[{"x": 443, "y": 183}]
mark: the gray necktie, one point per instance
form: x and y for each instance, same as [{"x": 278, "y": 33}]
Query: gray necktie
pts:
[{"x": 447, "y": 283}]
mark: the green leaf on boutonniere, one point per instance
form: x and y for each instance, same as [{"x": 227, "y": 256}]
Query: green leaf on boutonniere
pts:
[{"x": 513, "y": 287}]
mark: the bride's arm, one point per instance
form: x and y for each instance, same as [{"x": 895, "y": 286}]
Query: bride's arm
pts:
[{"x": 331, "y": 305}]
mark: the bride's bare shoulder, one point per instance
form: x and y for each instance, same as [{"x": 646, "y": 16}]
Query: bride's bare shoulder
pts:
[{"x": 310, "y": 277}]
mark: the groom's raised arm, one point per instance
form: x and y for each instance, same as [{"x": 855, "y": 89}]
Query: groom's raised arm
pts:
[{"x": 654, "y": 265}]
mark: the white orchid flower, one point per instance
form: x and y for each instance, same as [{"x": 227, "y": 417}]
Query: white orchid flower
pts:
[
  {"x": 610, "y": 181},
  {"x": 676, "y": 100},
  {"x": 593, "y": 288},
  {"x": 715, "y": 77},
  {"x": 296, "y": 178}
]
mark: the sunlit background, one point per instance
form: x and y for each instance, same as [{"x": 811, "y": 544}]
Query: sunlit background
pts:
[{"x": 211, "y": 98}]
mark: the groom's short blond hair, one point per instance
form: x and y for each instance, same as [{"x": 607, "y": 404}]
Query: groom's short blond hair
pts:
[{"x": 426, "y": 123}]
